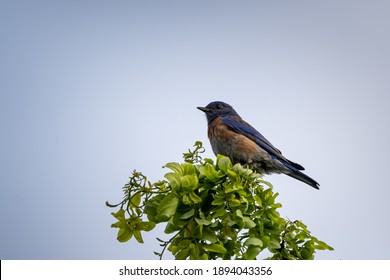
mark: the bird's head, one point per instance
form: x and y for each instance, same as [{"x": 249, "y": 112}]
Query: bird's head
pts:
[{"x": 217, "y": 109}]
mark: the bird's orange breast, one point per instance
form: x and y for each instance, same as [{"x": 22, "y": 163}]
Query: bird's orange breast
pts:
[{"x": 229, "y": 143}]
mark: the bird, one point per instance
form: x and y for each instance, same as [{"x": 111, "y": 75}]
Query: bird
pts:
[{"x": 233, "y": 137}]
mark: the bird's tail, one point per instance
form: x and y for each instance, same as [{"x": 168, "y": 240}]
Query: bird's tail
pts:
[{"x": 295, "y": 173}]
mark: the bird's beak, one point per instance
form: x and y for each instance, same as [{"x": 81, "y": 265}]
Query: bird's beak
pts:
[{"x": 204, "y": 109}]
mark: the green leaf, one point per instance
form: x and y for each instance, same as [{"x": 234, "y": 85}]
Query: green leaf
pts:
[
  {"x": 309, "y": 245},
  {"x": 175, "y": 167},
  {"x": 266, "y": 183},
  {"x": 258, "y": 200},
  {"x": 306, "y": 254},
  {"x": 265, "y": 240},
  {"x": 188, "y": 169},
  {"x": 120, "y": 224},
  {"x": 219, "y": 211},
  {"x": 174, "y": 179},
  {"x": 209, "y": 235},
  {"x": 232, "y": 175},
  {"x": 151, "y": 207},
  {"x": 301, "y": 236},
  {"x": 234, "y": 202},
  {"x": 202, "y": 221},
  {"x": 224, "y": 163},
  {"x": 189, "y": 182},
  {"x": 171, "y": 227},
  {"x": 124, "y": 234},
  {"x": 194, "y": 197},
  {"x": 232, "y": 188},
  {"x": 218, "y": 201},
  {"x": 138, "y": 236},
  {"x": 274, "y": 244},
  {"x": 252, "y": 252},
  {"x": 239, "y": 219},
  {"x": 253, "y": 241},
  {"x": 145, "y": 226},
  {"x": 323, "y": 246},
  {"x": 186, "y": 199},
  {"x": 194, "y": 252},
  {"x": 182, "y": 254},
  {"x": 249, "y": 223},
  {"x": 168, "y": 206},
  {"x": 211, "y": 173},
  {"x": 276, "y": 205},
  {"x": 273, "y": 215},
  {"x": 120, "y": 215},
  {"x": 135, "y": 200},
  {"x": 188, "y": 214},
  {"x": 217, "y": 248}
]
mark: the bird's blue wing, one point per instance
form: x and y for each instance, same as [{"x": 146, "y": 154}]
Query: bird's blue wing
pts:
[
  {"x": 236, "y": 124},
  {"x": 247, "y": 130}
]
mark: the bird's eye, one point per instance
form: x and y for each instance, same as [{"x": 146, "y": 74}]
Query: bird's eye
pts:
[{"x": 219, "y": 106}]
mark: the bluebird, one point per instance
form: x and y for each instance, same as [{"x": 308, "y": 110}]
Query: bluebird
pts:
[{"x": 233, "y": 137}]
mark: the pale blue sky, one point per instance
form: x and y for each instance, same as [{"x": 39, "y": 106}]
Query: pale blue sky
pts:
[{"x": 91, "y": 90}]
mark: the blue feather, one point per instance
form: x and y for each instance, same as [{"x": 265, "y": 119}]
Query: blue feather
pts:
[{"x": 247, "y": 130}]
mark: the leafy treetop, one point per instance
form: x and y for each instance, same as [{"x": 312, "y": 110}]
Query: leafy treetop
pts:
[{"x": 213, "y": 210}]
